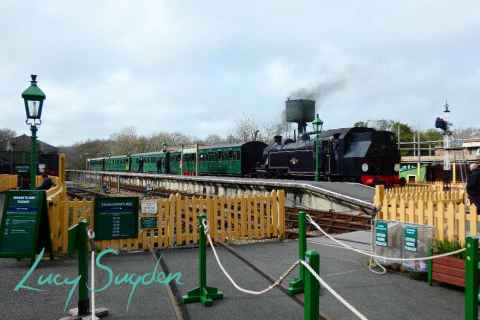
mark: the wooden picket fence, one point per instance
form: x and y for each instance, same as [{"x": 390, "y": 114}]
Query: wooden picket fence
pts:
[
  {"x": 450, "y": 213},
  {"x": 8, "y": 181},
  {"x": 232, "y": 218}
]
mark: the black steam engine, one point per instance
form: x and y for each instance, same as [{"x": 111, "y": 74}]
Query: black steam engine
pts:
[{"x": 356, "y": 154}]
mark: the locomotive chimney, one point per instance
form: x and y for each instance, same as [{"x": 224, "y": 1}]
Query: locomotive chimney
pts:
[{"x": 277, "y": 139}]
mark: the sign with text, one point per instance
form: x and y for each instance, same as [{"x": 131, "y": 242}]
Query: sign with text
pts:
[
  {"x": 22, "y": 169},
  {"x": 149, "y": 206},
  {"x": 148, "y": 222},
  {"x": 24, "y": 228},
  {"x": 411, "y": 236},
  {"x": 116, "y": 218},
  {"x": 381, "y": 234}
]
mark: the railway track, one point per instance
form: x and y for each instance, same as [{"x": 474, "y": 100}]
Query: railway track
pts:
[{"x": 332, "y": 222}]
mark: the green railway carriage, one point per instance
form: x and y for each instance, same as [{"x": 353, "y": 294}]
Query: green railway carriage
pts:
[
  {"x": 151, "y": 162},
  {"x": 231, "y": 160},
  {"x": 174, "y": 162},
  {"x": 97, "y": 164},
  {"x": 117, "y": 163},
  {"x": 221, "y": 160},
  {"x": 189, "y": 161}
]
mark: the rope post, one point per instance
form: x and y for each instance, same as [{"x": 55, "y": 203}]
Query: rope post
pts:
[
  {"x": 203, "y": 294},
  {"x": 77, "y": 242},
  {"x": 430, "y": 267},
  {"x": 296, "y": 285},
  {"x": 311, "y": 306},
  {"x": 471, "y": 279}
]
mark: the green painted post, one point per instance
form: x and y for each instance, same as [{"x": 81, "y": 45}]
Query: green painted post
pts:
[
  {"x": 317, "y": 127},
  {"x": 33, "y": 159},
  {"x": 203, "y": 294},
  {"x": 429, "y": 267},
  {"x": 471, "y": 279},
  {"x": 317, "y": 159},
  {"x": 82, "y": 240},
  {"x": 311, "y": 300},
  {"x": 296, "y": 285}
]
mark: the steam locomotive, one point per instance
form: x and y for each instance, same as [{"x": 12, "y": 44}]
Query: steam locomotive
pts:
[{"x": 356, "y": 154}]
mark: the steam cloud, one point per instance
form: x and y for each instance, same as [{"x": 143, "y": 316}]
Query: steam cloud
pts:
[{"x": 320, "y": 90}]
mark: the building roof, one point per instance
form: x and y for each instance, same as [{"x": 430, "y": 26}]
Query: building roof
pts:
[{"x": 24, "y": 143}]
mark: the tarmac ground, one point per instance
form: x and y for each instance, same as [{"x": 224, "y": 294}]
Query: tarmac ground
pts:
[{"x": 391, "y": 296}]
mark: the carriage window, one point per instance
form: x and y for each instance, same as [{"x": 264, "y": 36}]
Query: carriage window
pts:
[
  {"x": 230, "y": 155},
  {"x": 237, "y": 155},
  {"x": 220, "y": 155},
  {"x": 202, "y": 157}
]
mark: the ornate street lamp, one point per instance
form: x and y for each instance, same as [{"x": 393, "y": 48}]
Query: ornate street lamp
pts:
[
  {"x": 33, "y": 97},
  {"x": 317, "y": 128}
]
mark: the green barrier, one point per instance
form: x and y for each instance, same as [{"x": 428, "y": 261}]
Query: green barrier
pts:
[
  {"x": 77, "y": 241},
  {"x": 297, "y": 285},
  {"x": 471, "y": 279},
  {"x": 203, "y": 294},
  {"x": 311, "y": 303}
]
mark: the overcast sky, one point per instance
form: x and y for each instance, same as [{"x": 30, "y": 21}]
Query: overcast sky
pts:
[{"x": 197, "y": 66}]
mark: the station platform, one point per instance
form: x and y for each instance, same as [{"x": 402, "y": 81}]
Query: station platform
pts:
[
  {"x": 390, "y": 296},
  {"x": 317, "y": 195}
]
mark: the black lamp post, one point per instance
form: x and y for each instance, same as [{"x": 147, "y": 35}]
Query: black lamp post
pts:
[{"x": 33, "y": 97}]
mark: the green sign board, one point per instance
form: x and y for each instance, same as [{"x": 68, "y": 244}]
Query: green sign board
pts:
[
  {"x": 116, "y": 218},
  {"x": 411, "y": 236},
  {"x": 22, "y": 168},
  {"x": 24, "y": 230},
  {"x": 381, "y": 234},
  {"x": 148, "y": 222}
]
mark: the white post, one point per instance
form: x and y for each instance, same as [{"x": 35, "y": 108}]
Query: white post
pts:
[{"x": 91, "y": 236}]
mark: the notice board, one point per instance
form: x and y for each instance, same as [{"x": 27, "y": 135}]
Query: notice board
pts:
[
  {"x": 116, "y": 218},
  {"x": 24, "y": 229}
]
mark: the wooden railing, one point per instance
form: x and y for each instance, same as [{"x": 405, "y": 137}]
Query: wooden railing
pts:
[
  {"x": 450, "y": 213},
  {"x": 7, "y": 182},
  {"x": 232, "y": 218}
]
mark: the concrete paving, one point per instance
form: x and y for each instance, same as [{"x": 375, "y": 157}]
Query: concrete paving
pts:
[
  {"x": 391, "y": 296},
  {"x": 148, "y": 303}
]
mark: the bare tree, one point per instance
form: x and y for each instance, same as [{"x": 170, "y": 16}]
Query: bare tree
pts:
[
  {"x": 467, "y": 133},
  {"x": 5, "y": 136},
  {"x": 125, "y": 141},
  {"x": 213, "y": 139},
  {"x": 247, "y": 129}
]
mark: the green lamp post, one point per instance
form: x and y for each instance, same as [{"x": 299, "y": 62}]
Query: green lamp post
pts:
[
  {"x": 33, "y": 97},
  {"x": 317, "y": 128}
]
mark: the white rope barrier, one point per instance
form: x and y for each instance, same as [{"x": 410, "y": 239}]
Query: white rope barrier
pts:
[
  {"x": 333, "y": 292},
  {"x": 281, "y": 278},
  {"x": 309, "y": 218},
  {"x": 229, "y": 277}
]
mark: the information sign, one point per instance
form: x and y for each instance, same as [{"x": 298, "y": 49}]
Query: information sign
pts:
[
  {"x": 116, "y": 218},
  {"x": 381, "y": 234}
]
